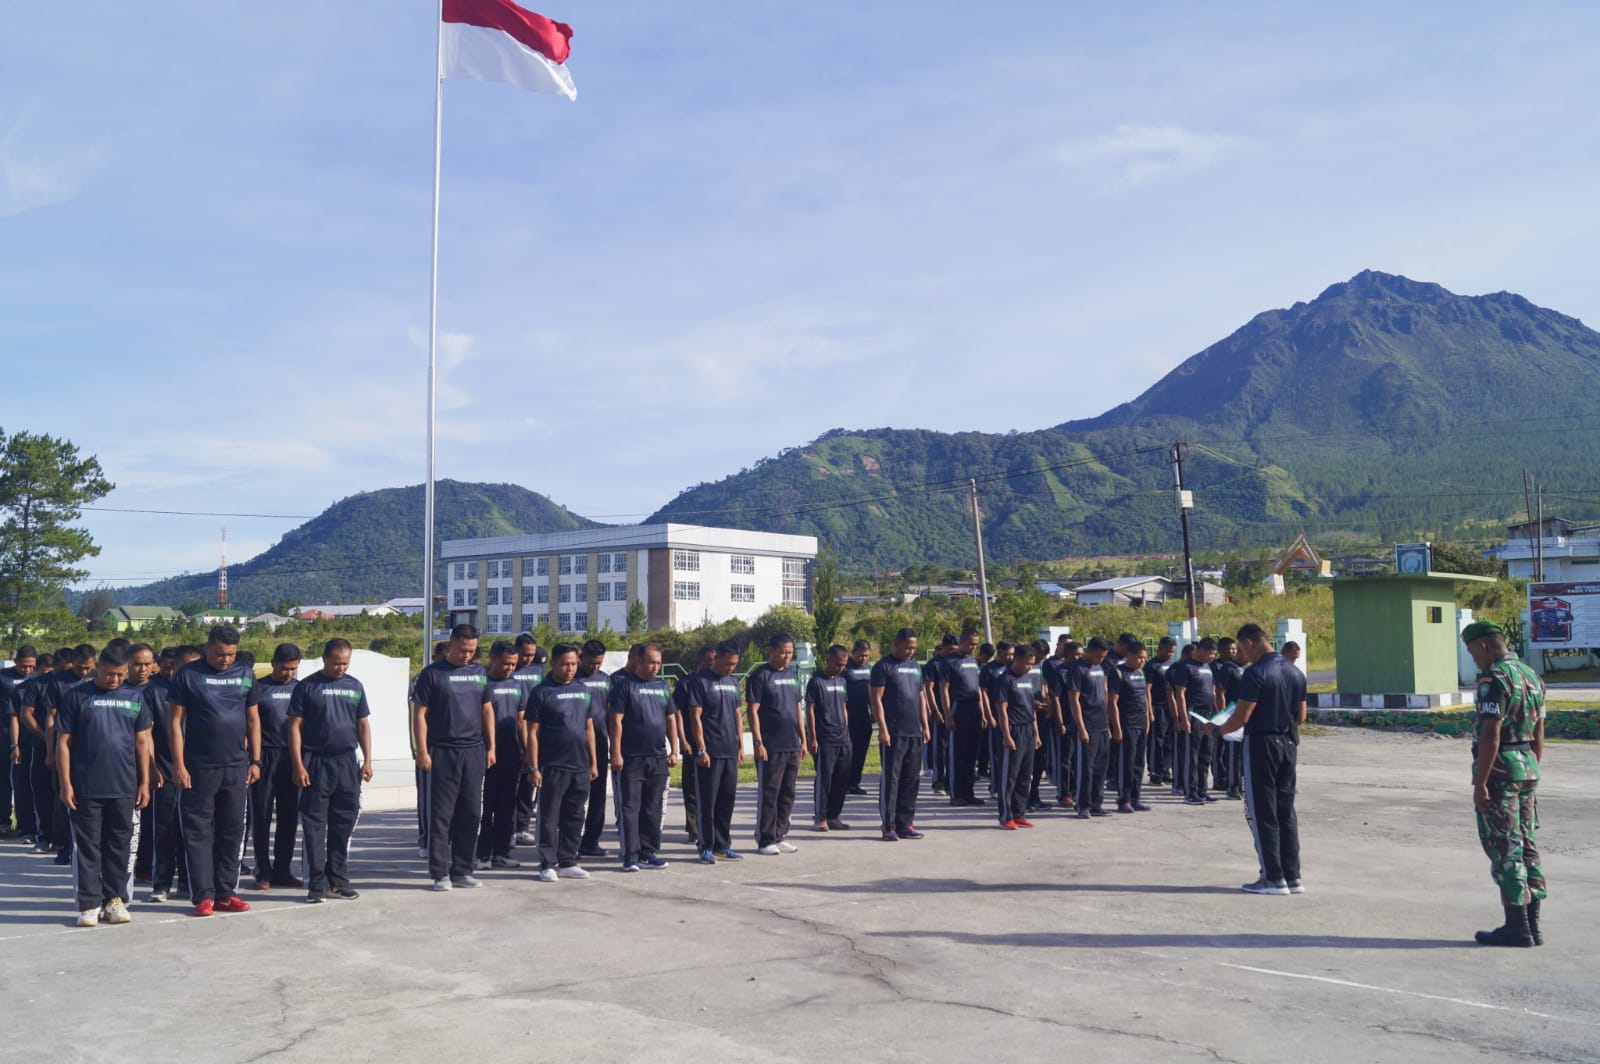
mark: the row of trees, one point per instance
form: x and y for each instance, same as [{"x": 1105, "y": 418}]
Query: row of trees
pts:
[{"x": 44, "y": 485}]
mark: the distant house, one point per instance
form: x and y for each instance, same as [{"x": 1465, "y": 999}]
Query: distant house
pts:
[
  {"x": 411, "y": 607},
  {"x": 1055, "y": 591},
  {"x": 132, "y": 618},
  {"x": 1144, "y": 591},
  {"x": 222, "y": 616},
  {"x": 331, "y": 612},
  {"x": 270, "y": 621},
  {"x": 1571, "y": 550}
]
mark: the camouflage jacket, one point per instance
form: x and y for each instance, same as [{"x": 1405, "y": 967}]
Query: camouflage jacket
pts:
[{"x": 1512, "y": 693}]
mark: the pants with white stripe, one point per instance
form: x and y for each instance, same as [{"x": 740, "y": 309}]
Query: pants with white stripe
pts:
[
  {"x": 455, "y": 807},
  {"x": 832, "y": 781},
  {"x": 1269, "y": 785},
  {"x": 1094, "y": 757},
  {"x": 103, "y": 831},
  {"x": 274, "y": 793},
  {"x": 775, "y": 780},
  {"x": 595, "y": 821},
  {"x": 1201, "y": 751},
  {"x": 900, "y": 782},
  {"x": 563, "y": 793},
  {"x": 965, "y": 742},
  {"x": 500, "y": 783},
  {"x": 641, "y": 789},
  {"x": 213, "y": 812},
  {"x": 1230, "y": 767},
  {"x": 1014, "y": 768},
  {"x": 1130, "y": 762},
  {"x": 329, "y": 807},
  {"x": 716, "y": 786}
]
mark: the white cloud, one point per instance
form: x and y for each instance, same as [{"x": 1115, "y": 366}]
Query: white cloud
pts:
[{"x": 1136, "y": 154}]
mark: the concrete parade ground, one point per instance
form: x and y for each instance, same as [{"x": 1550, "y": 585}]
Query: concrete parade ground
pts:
[{"x": 1122, "y": 939}]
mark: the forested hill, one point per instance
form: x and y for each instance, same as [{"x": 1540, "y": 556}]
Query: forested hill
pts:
[
  {"x": 366, "y": 548},
  {"x": 1383, "y": 407}
]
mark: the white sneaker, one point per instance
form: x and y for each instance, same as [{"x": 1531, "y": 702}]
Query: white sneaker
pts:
[
  {"x": 632, "y": 866},
  {"x": 547, "y": 875},
  {"x": 422, "y": 852},
  {"x": 1266, "y": 886},
  {"x": 442, "y": 884},
  {"x": 787, "y": 847},
  {"x": 115, "y": 912},
  {"x": 1296, "y": 887},
  {"x": 524, "y": 838},
  {"x": 468, "y": 882},
  {"x": 770, "y": 850},
  {"x": 89, "y": 918},
  {"x": 575, "y": 872}
]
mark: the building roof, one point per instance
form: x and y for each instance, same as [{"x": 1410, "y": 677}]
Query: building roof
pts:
[
  {"x": 146, "y": 613},
  {"x": 1121, "y": 583},
  {"x": 634, "y": 537},
  {"x": 1051, "y": 589},
  {"x": 406, "y": 603},
  {"x": 374, "y": 608}
]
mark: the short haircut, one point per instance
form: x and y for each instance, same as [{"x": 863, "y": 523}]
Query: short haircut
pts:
[
  {"x": 986, "y": 648},
  {"x": 119, "y": 641},
  {"x": 168, "y": 654},
  {"x": 1166, "y": 641},
  {"x": 836, "y": 648},
  {"x": 502, "y": 649},
  {"x": 1224, "y": 643},
  {"x": 1071, "y": 646},
  {"x": 1206, "y": 644},
  {"x": 1004, "y": 644},
  {"x": 645, "y": 648},
  {"x": 83, "y": 654},
  {"x": 949, "y": 640},
  {"x": 706, "y": 651},
  {"x": 134, "y": 648},
  {"x": 526, "y": 640},
  {"x": 438, "y": 648},
  {"x": 63, "y": 653},
  {"x": 562, "y": 648},
  {"x": 334, "y": 645},
  {"x": 904, "y": 634},
  {"x": 1041, "y": 647},
  {"x": 223, "y": 635},
  {"x": 593, "y": 647},
  {"x": 463, "y": 632},
  {"x": 1291, "y": 645},
  {"x": 860, "y": 644},
  {"x": 284, "y": 653},
  {"x": 968, "y": 632},
  {"x": 1098, "y": 643},
  {"x": 189, "y": 650},
  {"x": 1064, "y": 637},
  {"x": 1253, "y": 632},
  {"x": 1127, "y": 638},
  {"x": 26, "y": 650},
  {"x": 246, "y": 659},
  {"x": 729, "y": 646},
  {"x": 44, "y": 661},
  {"x": 777, "y": 639},
  {"x": 1136, "y": 647},
  {"x": 114, "y": 655}
]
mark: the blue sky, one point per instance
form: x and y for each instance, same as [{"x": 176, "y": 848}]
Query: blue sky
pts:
[{"x": 759, "y": 221}]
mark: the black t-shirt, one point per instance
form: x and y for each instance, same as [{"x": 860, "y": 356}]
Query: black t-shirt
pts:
[
  {"x": 454, "y": 695},
  {"x": 1133, "y": 699},
  {"x": 599, "y": 684},
  {"x": 827, "y": 696},
  {"x": 776, "y": 696},
  {"x": 529, "y": 676},
  {"x": 10, "y": 681},
  {"x": 215, "y": 712},
  {"x": 103, "y": 725},
  {"x": 1015, "y": 697},
  {"x": 718, "y": 699},
  {"x": 509, "y": 697},
  {"x": 31, "y": 693},
  {"x": 562, "y": 713},
  {"x": 1197, "y": 682},
  {"x": 155, "y": 694},
  {"x": 328, "y": 711},
  {"x": 1155, "y": 678},
  {"x": 1277, "y": 688},
  {"x": 272, "y": 704},
  {"x": 1228, "y": 674},
  {"x": 857, "y": 683},
  {"x": 644, "y": 706},
  {"x": 902, "y": 696},
  {"x": 965, "y": 683},
  {"x": 988, "y": 671},
  {"x": 1090, "y": 683}
]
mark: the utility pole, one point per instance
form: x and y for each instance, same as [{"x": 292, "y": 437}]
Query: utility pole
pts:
[
  {"x": 1539, "y": 498},
  {"x": 983, "y": 576},
  {"x": 222, "y": 574},
  {"x": 1185, "y": 504}
]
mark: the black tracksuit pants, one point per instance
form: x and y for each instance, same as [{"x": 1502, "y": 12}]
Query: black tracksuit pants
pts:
[
  {"x": 900, "y": 782},
  {"x": 1159, "y": 739},
  {"x": 500, "y": 784},
  {"x": 213, "y": 812},
  {"x": 102, "y": 867},
  {"x": 966, "y": 740},
  {"x": 687, "y": 777},
  {"x": 938, "y": 755},
  {"x": 5, "y": 782},
  {"x": 274, "y": 794},
  {"x": 525, "y": 799},
  {"x": 41, "y": 780},
  {"x": 775, "y": 781},
  {"x": 832, "y": 779},
  {"x": 1094, "y": 757},
  {"x": 1230, "y": 767},
  {"x": 860, "y": 721},
  {"x": 715, "y": 789},
  {"x": 641, "y": 790},
  {"x": 1269, "y": 775},
  {"x": 21, "y": 775},
  {"x": 144, "y": 844},
  {"x": 329, "y": 807},
  {"x": 455, "y": 807},
  {"x": 168, "y": 857},
  {"x": 1182, "y": 756},
  {"x": 1200, "y": 754},
  {"x": 562, "y": 795},
  {"x": 1013, "y": 770},
  {"x": 1130, "y": 761},
  {"x": 595, "y": 822}
]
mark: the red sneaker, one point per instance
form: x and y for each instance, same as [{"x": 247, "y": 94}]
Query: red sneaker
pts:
[
  {"x": 233, "y": 904},
  {"x": 1009, "y": 825},
  {"x": 1024, "y": 822},
  {"x": 203, "y": 907}
]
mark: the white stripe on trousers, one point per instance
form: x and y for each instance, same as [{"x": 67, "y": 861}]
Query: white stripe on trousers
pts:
[
  {"x": 133, "y": 855},
  {"x": 1250, "y": 810}
]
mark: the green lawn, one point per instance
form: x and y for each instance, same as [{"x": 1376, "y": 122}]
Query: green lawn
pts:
[{"x": 808, "y": 767}]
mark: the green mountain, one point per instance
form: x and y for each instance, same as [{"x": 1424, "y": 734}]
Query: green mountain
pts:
[
  {"x": 366, "y": 548},
  {"x": 1384, "y": 407}
]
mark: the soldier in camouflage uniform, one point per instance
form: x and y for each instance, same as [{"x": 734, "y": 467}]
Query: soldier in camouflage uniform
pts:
[{"x": 1505, "y": 780}]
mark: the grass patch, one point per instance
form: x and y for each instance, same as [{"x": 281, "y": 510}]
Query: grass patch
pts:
[{"x": 808, "y": 768}]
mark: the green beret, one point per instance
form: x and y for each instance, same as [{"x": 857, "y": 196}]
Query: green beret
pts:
[{"x": 1479, "y": 629}]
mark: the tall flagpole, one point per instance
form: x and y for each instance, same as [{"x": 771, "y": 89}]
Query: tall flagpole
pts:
[{"x": 433, "y": 337}]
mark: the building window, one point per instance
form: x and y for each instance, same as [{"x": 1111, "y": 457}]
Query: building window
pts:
[
  {"x": 565, "y": 566},
  {"x": 794, "y": 568},
  {"x": 742, "y": 592},
  {"x": 602, "y": 592},
  {"x": 1435, "y": 614},
  {"x": 459, "y": 597},
  {"x": 604, "y": 561},
  {"x": 492, "y": 597},
  {"x": 472, "y": 570},
  {"x": 565, "y": 593},
  {"x": 686, "y": 561},
  {"x": 742, "y": 564},
  {"x": 686, "y": 590},
  {"x": 494, "y": 570},
  {"x": 529, "y": 620},
  {"x": 472, "y": 596},
  {"x": 544, "y": 594},
  {"x": 580, "y": 621},
  {"x": 564, "y": 622},
  {"x": 794, "y": 595},
  {"x": 619, "y": 563},
  {"x": 528, "y": 566},
  {"x": 541, "y": 566},
  {"x": 580, "y": 565},
  {"x": 461, "y": 570},
  {"x": 619, "y": 591}
]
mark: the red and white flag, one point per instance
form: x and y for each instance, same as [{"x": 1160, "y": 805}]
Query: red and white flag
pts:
[{"x": 495, "y": 40}]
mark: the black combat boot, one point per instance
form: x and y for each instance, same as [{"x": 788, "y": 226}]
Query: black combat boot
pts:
[
  {"x": 1513, "y": 933},
  {"x": 1533, "y": 922}
]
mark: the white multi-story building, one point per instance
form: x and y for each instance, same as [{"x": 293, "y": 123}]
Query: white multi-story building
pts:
[
  {"x": 1571, "y": 550},
  {"x": 685, "y": 575}
]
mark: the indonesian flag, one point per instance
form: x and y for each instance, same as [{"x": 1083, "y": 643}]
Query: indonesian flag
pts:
[{"x": 495, "y": 40}]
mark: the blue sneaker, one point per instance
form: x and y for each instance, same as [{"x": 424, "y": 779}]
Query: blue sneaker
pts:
[
  {"x": 707, "y": 857},
  {"x": 654, "y": 862},
  {"x": 728, "y": 855}
]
